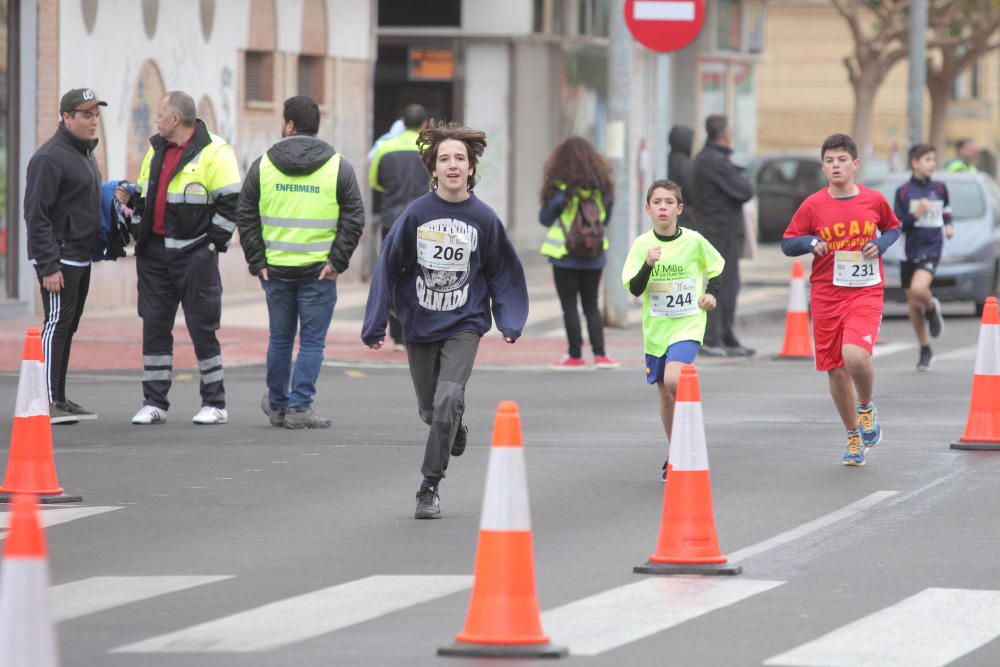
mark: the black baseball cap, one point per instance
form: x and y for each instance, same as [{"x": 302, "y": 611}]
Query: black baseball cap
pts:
[{"x": 80, "y": 99}]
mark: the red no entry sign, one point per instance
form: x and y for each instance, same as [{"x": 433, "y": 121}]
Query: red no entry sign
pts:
[{"x": 664, "y": 25}]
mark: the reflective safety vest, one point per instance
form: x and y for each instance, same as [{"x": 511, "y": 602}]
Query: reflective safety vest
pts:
[
  {"x": 298, "y": 214},
  {"x": 189, "y": 214},
  {"x": 554, "y": 245},
  {"x": 958, "y": 165}
]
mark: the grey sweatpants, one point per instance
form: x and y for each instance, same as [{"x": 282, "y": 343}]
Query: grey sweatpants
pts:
[{"x": 440, "y": 371}]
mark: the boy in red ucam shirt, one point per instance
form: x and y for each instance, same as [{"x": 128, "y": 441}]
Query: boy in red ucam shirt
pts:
[{"x": 847, "y": 227}]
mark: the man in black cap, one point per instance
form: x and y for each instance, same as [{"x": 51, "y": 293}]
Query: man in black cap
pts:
[{"x": 62, "y": 212}]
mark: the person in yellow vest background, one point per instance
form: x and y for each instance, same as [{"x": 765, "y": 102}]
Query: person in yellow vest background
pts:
[
  {"x": 966, "y": 153},
  {"x": 576, "y": 179},
  {"x": 183, "y": 218},
  {"x": 397, "y": 172},
  {"x": 300, "y": 216}
]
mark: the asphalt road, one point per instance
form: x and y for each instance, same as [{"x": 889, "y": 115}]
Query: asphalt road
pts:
[{"x": 247, "y": 545}]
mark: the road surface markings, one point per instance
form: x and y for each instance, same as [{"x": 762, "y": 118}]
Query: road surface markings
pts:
[
  {"x": 885, "y": 349},
  {"x": 842, "y": 514},
  {"x": 932, "y": 628},
  {"x": 96, "y": 594},
  {"x": 605, "y": 621},
  {"x": 305, "y": 616},
  {"x": 53, "y": 517},
  {"x": 967, "y": 353}
]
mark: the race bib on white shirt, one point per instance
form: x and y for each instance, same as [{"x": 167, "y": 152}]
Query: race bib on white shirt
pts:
[
  {"x": 439, "y": 250},
  {"x": 934, "y": 217},
  {"x": 673, "y": 298},
  {"x": 852, "y": 269}
]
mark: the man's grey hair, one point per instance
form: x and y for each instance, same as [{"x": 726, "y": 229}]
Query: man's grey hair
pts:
[{"x": 182, "y": 104}]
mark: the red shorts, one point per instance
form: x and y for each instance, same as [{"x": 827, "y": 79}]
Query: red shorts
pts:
[{"x": 856, "y": 326}]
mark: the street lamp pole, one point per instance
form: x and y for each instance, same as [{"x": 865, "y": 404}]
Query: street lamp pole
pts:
[
  {"x": 616, "y": 151},
  {"x": 918, "y": 72}
]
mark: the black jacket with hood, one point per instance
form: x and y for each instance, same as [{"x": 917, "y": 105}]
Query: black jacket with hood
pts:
[
  {"x": 680, "y": 169},
  {"x": 62, "y": 202},
  {"x": 297, "y": 155},
  {"x": 720, "y": 189}
]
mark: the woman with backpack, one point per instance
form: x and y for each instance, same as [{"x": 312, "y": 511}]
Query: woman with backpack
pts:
[{"x": 576, "y": 197}]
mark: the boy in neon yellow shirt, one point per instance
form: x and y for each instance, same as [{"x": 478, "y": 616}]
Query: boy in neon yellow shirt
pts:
[{"x": 667, "y": 266}]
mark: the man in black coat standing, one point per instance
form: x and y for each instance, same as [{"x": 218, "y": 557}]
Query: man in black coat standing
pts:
[
  {"x": 720, "y": 189},
  {"x": 62, "y": 214}
]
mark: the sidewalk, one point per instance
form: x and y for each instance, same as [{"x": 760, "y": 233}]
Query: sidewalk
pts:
[{"x": 112, "y": 340}]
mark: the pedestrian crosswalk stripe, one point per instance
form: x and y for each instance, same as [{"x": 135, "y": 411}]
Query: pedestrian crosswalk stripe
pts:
[
  {"x": 96, "y": 594},
  {"x": 305, "y": 616},
  {"x": 932, "y": 628},
  {"x": 605, "y": 621},
  {"x": 844, "y": 513},
  {"x": 53, "y": 517}
]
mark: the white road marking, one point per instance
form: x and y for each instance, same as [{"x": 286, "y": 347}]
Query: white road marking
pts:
[
  {"x": 967, "y": 353},
  {"x": 605, "y": 621},
  {"x": 932, "y": 628},
  {"x": 842, "y": 514},
  {"x": 53, "y": 517},
  {"x": 89, "y": 596},
  {"x": 304, "y": 616},
  {"x": 885, "y": 349}
]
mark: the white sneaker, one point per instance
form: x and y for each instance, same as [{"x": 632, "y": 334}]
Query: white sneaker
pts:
[
  {"x": 150, "y": 414},
  {"x": 210, "y": 415}
]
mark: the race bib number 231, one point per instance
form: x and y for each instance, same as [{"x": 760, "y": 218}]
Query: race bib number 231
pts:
[{"x": 852, "y": 269}]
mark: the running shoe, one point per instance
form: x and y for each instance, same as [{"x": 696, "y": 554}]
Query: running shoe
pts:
[
  {"x": 428, "y": 504},
  {"x": 926, "y": 359},
  {"x": 854, "y": 455},
  {"x": 935, "y": 321},
  {"x": 663, "y": 475},
  {"x": 569, "y": 364},
  {"x": 82, "y": 413},
  {"x": 461, "y": 440},
  {"x": 605, "y": 362},
  {"x": 150, "y": 414},
  {"x": 871, "y": 432},
  {"x": 60, "y": 414},
  {"x": 209, "y": 416},
  {"x": 275, "y": 415}
]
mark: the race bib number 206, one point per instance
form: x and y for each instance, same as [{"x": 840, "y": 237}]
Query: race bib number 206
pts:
[{"x": 443, "y": 251}]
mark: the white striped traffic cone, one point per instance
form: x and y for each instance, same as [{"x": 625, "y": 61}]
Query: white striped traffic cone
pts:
[
  {"x": 27, "y": 634},
  {"x": 504, "y": 619},
  {"x": 982, "y": 429}
]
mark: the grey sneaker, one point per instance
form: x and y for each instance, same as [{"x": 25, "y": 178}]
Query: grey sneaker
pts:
[
  {"x": 296, "y": 419},
  {"x": 428, "y": 504},
  {"x": 926, "y": 359},
  {"x": 935, "y": 321},
  {"x": 82, "y": 413},
  {"x": 276, "y": 416},
  {"x": 59, "y": 413},
  {"x": 461, "y": 439}
]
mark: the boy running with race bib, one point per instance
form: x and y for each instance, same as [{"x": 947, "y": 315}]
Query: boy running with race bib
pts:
[
  {"x": 922, "y": 206},
  {"x": 667, "y": 266},
  {"x": 840, "y": 226},
  {"x": 450, "y": 270}
]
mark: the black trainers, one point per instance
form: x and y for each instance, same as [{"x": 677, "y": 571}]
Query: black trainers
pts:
[
  {"x": 428, "y": 504},
  {"x": 712, "y": 351},
  {"x": 276, "y": 417},
  {"x": 82, "y": 413},
  {"x": 296, "y": 419},
  {"x": 926, "y": 359},
  {"x": 935, "y": 321},
  {"x": 461, "y": 439},
  {"x": 60, "y": 414}
]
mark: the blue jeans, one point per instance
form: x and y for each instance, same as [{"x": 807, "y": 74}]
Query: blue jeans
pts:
[{"x": 289, "y": 305}]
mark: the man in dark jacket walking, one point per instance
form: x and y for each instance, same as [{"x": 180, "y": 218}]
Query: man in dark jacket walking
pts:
[
  {"x": 680, "y": 170},
  {"x": 720, "y": 189},
  {"x": 62, "y": 212},
  {"x": 300, "y": 216}
]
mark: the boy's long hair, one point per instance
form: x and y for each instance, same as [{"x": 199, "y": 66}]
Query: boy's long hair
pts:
[
  {"x": 576, "y": 163},
  {"x": 438, "y": 131}
]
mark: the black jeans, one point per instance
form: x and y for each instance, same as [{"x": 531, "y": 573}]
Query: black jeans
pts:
[
  {"x": 719, "y": 329},
  {"x": 62, "y": 317},
  {"x": 585, "y": 283}
]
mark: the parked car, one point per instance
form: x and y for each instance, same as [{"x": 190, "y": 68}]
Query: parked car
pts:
[
  {"x": 783, "y": 181},
  {"x": 969, "y": 269}
]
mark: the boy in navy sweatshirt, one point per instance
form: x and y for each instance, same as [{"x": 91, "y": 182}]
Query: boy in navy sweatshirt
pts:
[
  {"x": 922, "y": 206},
  {"x": 449, "y": 270}
]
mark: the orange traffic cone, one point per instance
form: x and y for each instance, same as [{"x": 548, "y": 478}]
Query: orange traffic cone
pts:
[
  {"x": 688, "y": 543},
  {"x": 798, "y": 344},
  {"x": 31, "y": 467},
  {"x": 503, "y": 618},
  {"x": 982, "y": 429},
  {"x": 27, "y": 634}
]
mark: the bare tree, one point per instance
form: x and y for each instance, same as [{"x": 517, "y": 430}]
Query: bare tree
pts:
[
  {"x": 880, "y": 30},
  {"x": 962, "y": 31}
]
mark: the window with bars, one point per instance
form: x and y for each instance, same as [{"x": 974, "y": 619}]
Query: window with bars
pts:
[
  {"x": 259, "y": 84},
  {"x": 310, "y": 78}
]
